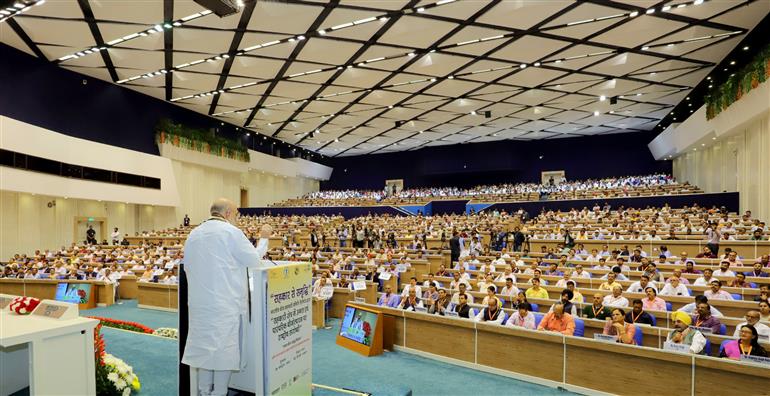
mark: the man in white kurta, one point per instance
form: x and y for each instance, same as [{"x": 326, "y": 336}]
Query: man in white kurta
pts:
[{"x": 217, "y": 255}]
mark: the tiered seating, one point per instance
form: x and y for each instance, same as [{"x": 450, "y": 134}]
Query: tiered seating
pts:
[{"x": 605, "y": 188}]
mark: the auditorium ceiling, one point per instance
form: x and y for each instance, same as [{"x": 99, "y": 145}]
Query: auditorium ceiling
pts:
[{"x": 354, "y": 77}]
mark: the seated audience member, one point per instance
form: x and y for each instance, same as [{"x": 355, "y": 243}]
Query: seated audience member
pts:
[
  {"x": 724, "y": 270},
  {"x": 747, "y": 344},
  {"x": 522, "y": 317},
  {"x": 764, "y": 311},
  {"x": 344, "y": 282},
  {"x": 610, "y": 283},
  {"x": 752, "y": 318},
  {"x": 705, "y": 319},
  {"x": 463, "y": 290},
  {"x": 431, "y": 279},
  {"x": 764, "y": 293},
  {"x": 492, "y": 312},
  {"x": 457, "y": 281},
  {"x": 487, "y": 282},
  {"x": 706, "y": 278},
  {"x": 739, "y": 281},
  {"x": 580, "y": 273},
  {"x": 577, "y": 297},
  {"x": 757, "y": 271},
  {"x": 565, "y": 301},
  {"x": 490, "y": 295},
  {"x": 320, "y": 284},
  {"x": 388, "y": 299},
  {"x": 442, "y": 271},
  {"x": 509, "y": 290},
  {"x": 616, "y": 326},
  {"x": 558, "y": 321},
  {"x": 616, "y": 299},
  {"x": 693, "y": 306},
  {"x": 411, "y": 301},
  {"x": 637, "y": 314},
  {"x": 653, "y": 302},
  {"x": 563, "y": 281},
  {"x": 674, "y": 288},
  {"x": 689, "y": 268},
  {"x": 640, "y": 285},
  {"x": 536, "y": 291},
  {"x": 716, "y": 292},
  {"x": 441, "y": 303},
  {"x": 412, "y": 286},
  {"x": 597, "y": 310},
  {"x": 462, "y": 308},
  {"x": 706, "y": 253},
  {"x": 430, "y": 295},
  {"x": 684, "y": 334},
  {"x": 677, "y": 273},
  {"x": 521, "y": 298}
]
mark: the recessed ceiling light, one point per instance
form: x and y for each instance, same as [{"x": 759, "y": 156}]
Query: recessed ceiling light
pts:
[
  {"x": 650, "y": 11},
  {"x": 713, "y": 138},
  {"x": 537, "y": 64},
  {"x": 746, "y": 48},
  {"x": 639, "y": 94},
  {"x": 665, "y": 8},
  {"x": 697, "y": 2},
  {"x": 523, "y": 65},
  {"x": 634, "y": 14},
  {"x": 602, "y": 98},
  {"x": 384, "y": 19},
  {"x": 421, "y": 9},
  {"x": 322, "y": 32},
  {"x": 732, "y": 62},
  {"x": 645, "y": 48},
  {"x": 473, "y": 112},
  {"x": 596, "y": 113}
]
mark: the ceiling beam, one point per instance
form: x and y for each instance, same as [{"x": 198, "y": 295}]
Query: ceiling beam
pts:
[
  {"x": 88, "y": 15},
  {"x": 248, "y": 10},
  {"x": 168, "y": 48},
  {"x": 292, "y": 57},
  {"x": 26, "y": 39}
]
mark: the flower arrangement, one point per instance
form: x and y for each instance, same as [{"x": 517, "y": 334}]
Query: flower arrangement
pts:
[
  {"x": 199, "y": 140},
  {"x": 168, "y": 332},
  {"x": 113, "y": 375},
  {"x": 741, "y": 82},
  {"x": 123, "y": 324}
]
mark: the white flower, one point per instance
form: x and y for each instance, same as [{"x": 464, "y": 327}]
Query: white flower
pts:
[
  {"x": 112, "y": 377},
  {"x": 120, "y": 384},
  {"x": 126, "y": 391}
]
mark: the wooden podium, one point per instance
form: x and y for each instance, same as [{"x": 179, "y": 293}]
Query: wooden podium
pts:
[{"x": 374, "y": 345}]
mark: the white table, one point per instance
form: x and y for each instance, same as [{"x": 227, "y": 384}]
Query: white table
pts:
[{"x": 51, "y": 356}]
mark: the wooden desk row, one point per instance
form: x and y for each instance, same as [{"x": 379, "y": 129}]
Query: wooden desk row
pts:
[
  {"x": 103, "y": 292},
  {"x": 576, "y": 363}
]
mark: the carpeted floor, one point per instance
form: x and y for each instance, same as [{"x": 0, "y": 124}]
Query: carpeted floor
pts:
[
  {"x": 155, "y": 359},
  {"x": 129, "y": 311},
  {"x": 395, "y": 373}
]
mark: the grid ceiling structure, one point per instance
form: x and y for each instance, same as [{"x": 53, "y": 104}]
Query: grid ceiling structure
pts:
[{"x": 352, "y": 77}]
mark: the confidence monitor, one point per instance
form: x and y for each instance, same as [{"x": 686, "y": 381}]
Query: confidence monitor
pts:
[{"x": 361, "y": 330}]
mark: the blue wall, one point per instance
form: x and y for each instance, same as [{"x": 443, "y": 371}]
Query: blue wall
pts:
[
  {"x": 40, "y": 93},
  {"x": 468, "y": 165}
]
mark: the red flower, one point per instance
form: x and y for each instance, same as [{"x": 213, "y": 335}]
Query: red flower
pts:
[{"x": 367, "y": 329}]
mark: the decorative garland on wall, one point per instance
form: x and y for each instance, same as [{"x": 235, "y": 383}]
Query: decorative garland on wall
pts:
[
  {"x": 199, "y": 140},
  {"x": 743, "y": 81}
]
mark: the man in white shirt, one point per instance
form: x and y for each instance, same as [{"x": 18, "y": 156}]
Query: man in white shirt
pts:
[
  {"x": 674, "y": 288},
  {"x": 510, "y": 291},
  {"x": 641, "y": 285},
  {"x": 724, "y": 270},
  {"x": 463, "y": 289},
  {"x": 217, "y": 254},
  {"x": 752, "y": 318},
  {"x": 692, "y": 307},
  {"x": 412, "y": 285},
  {"x": 115, "y": 236},
  {"x": 505, "y": 275},
  {"x": 706, "y": 279},
  {"x": 615, "y": 299},
  {"x": 457, "y": 281},
  {"x": 579, "y": 273},
  {"x": 682, "y": 259}
]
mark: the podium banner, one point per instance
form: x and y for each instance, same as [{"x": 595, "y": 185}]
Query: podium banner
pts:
[{"x": 289, "y": 347}]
